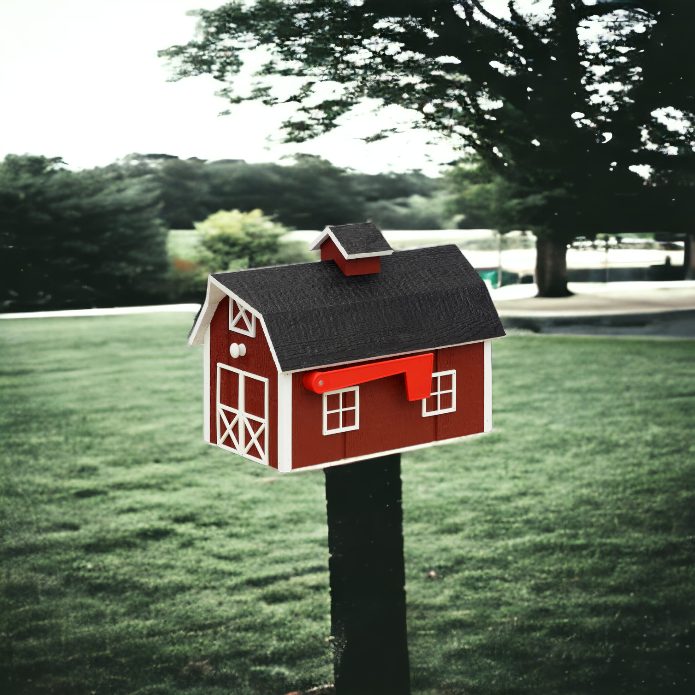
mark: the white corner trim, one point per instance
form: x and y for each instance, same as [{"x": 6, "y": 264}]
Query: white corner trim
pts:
[
  {"x": 284, "y": 422},
  {"x": 487, "y": 386},
  {"x": 206, "y": 384}
]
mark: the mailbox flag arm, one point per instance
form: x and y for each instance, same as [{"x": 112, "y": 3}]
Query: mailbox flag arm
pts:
[{"x": 417, "y": 370}]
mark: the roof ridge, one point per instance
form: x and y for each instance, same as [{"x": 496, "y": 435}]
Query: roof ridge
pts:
[{"x": 316, "y": 262}]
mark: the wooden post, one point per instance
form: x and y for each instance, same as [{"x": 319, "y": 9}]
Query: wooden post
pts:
[{"x": 367, "y": 576}]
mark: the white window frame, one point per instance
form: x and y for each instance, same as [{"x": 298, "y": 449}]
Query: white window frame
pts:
[
  {"x": 241, "y": 320},
  {"x": 438, "y": 392},
  {"x": 341, "y": 410}
]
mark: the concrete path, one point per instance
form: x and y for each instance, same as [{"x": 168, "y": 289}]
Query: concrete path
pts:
[
  {"x": 108, "y": 311},
  {"x": 618, "y": 308}
]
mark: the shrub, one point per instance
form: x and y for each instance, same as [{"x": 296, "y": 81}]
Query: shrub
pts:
[{"x": 231, "y": 240}]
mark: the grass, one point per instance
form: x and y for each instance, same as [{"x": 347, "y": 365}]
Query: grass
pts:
[{"x": 555, "y": 555}]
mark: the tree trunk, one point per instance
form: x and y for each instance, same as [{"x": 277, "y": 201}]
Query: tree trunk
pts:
[
  {"x": 551, "y": 267},
  {"x": 689, "y": 257},
  {"x": 367, "y": 573}
]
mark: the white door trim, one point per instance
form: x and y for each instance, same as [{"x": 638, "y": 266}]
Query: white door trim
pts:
[{"x": 228, "y": 417}]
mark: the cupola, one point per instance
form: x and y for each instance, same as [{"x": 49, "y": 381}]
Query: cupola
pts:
[{"x": 355, "y": 248}]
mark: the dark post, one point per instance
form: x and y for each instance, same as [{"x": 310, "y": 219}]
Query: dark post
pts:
[{"x": 367, "y": 574}]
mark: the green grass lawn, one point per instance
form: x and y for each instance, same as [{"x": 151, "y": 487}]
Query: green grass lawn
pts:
[{"x": 553, "y": 556}]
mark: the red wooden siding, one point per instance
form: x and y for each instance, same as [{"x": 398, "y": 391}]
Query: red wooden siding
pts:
[
  {"x": 258, "y": 360},
  {"x": 309, "y": 446},
  {"x": 469, "y": 363},
  {"x": 387, "y": 419}
]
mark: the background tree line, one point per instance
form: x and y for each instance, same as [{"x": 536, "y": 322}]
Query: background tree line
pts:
[
  {"x": 306, "y": 192},
  {"x": 99, "y": 237},
  {"x": 78, "y": 238}
]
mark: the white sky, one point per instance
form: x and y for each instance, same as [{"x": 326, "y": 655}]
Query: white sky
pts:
[{"x": 81, "y": 79}]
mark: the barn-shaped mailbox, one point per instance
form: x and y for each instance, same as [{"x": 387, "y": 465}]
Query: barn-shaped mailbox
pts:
[{"x": 366, "y": 352}]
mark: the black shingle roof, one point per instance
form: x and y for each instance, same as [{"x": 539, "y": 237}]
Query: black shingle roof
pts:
[
  {"x": 362, "y": 238},
  {"x": 316, "y": 316}
]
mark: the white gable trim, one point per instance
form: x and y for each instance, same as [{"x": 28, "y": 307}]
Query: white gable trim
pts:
[
  {"x": 215, "y": 292},
  {"x": 347, "y": 256},
  {"x": 213, "y": 296},
  {"x": 316, "y": 243}
]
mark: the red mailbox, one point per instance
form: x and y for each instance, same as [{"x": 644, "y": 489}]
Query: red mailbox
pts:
[{"x": 367, "y": 352}]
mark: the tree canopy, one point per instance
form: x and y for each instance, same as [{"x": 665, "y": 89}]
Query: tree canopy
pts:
[
  {"x": 583, "y": 108},
  {"x": 307, "y": 192}
]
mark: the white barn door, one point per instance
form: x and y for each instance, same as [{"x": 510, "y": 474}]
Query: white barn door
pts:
[{"x": 242, "y": 413}]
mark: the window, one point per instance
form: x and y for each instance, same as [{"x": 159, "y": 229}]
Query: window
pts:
[
  {"x": 241, "y": 320},
  {"x": 341, "y": 410},
  {"x": 443, "y": 396}
]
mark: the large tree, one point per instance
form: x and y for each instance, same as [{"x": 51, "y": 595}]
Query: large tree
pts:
[{"x": 572, "y": 102}]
